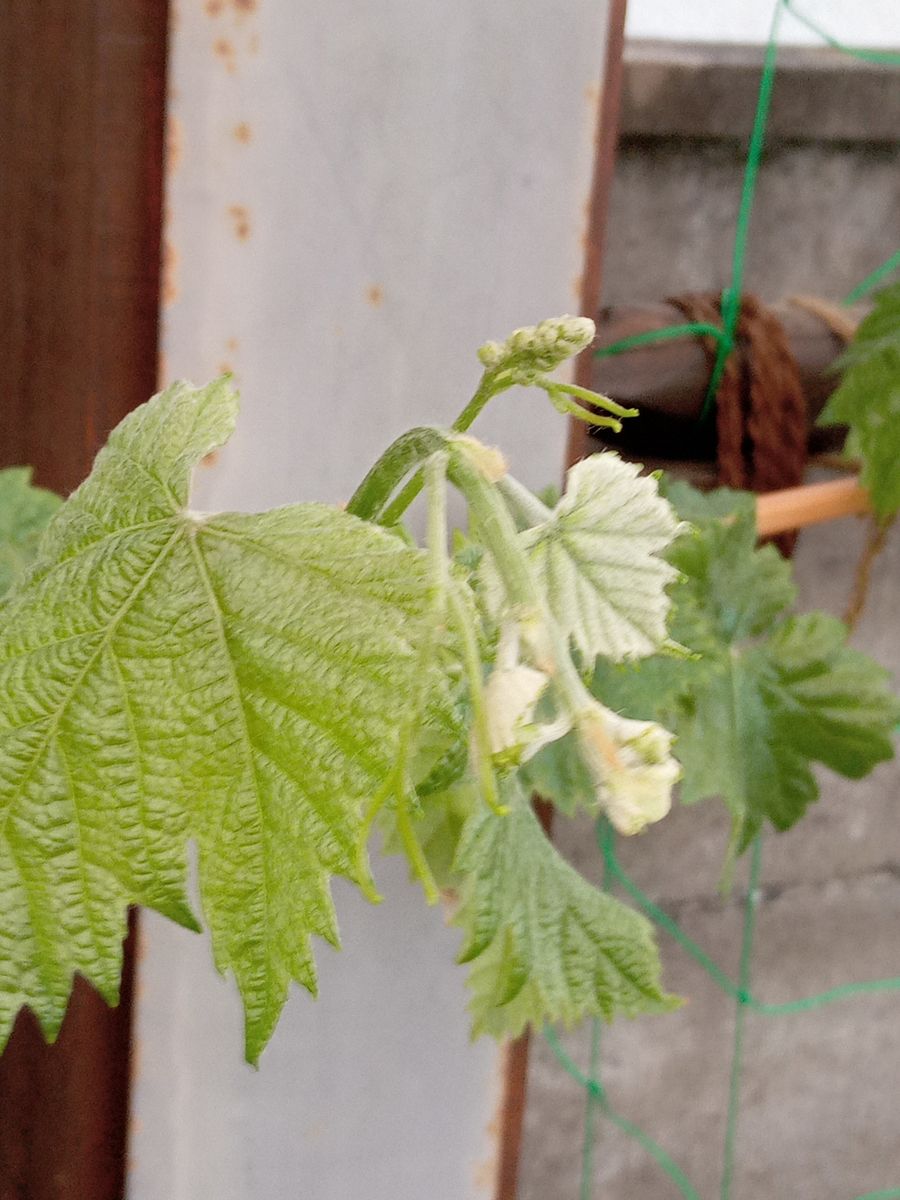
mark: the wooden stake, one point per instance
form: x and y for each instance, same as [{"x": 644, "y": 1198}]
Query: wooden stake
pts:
[{"x": 795, "y": 508}]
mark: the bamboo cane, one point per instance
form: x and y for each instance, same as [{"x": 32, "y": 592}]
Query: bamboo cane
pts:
[{"x": 794, "y": 508}]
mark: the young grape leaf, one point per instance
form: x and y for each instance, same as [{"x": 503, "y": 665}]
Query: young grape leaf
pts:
[
  {"x": 167, "y": 675},
  {"x": 544, "y": 944},
  {"x": 24, "y": 513},
  {"x": 868, "y": 400},
  {"x": 598, "y": 559},
  {"x": 768, "y": 695}
]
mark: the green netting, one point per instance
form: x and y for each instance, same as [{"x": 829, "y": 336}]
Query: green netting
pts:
[
  {"x": 731, "y": 296},
  {"x": 597, "y": 1102}
]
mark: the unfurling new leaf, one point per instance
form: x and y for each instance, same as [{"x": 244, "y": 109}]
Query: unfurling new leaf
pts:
[{"x": 597, "y": 556}]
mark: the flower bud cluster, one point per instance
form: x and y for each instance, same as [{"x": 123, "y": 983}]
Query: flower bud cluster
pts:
[{"x": 536, "y": 349}]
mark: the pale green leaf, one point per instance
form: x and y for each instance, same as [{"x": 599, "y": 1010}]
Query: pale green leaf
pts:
[
  {"x": 24, "y": 513},
  {"x": 543, "y": 943},
  {"x": 598, "y": 559},
  {"x": 238, "y": 680}
]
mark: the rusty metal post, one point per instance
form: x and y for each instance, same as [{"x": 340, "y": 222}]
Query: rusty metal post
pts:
[{"x": 82, "y": 91}]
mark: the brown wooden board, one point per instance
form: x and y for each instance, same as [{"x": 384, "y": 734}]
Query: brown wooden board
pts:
[{"x": 82, "y": 91}]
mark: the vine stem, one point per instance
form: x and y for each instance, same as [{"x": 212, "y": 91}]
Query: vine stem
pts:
[
  {"x": 875, "y": 541},
  {"x": 743, "y": 996},
  {"x": 396, "y": 783},
  {"x": 413, "y": 448},
  {"x": 525, "y": 506},
  {"x": 499, "y": 534},
  {"x": 480, "y": 729},
  {"x": 491, "y": 385}
]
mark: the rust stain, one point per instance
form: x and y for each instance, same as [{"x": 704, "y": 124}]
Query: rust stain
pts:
[
  {"x": 375, "y": 295},
  {"x": 240, "y": 8},
  {"x": 169, "y": 278},
  {"x": 137, "y": 1057},
  {"x": 174, "y": 143},
  {"x": 210, "y": 460},
  {"x": 592, "y": 93},
  {"x": 232, "y": 344},
  {"x": 253, "y": 44},
  {"x": 240, "y": 216},
  {"x": 136, "y": 1062},
  {"x": 224, "y": 48},
  {"x": 242, "y": 133},
  {"x": 487, "y": 1172},
  {"x": 225, "y": 368},
  {"x": 162, "y": 368}
]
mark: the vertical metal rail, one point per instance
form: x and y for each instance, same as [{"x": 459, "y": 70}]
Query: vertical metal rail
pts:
[
  {"x": 82, "y": 94},
  {"x": 515, "y": 1080}
]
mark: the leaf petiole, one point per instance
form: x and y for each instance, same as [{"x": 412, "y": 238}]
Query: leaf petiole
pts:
[
  {"x": 472, "y": 663},
  {"x": 397, "y": 783},
  {"x": 492, "y": 384}
]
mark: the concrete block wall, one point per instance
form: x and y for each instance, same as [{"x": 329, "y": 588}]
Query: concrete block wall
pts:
[{"x": 820, "y": 1119}]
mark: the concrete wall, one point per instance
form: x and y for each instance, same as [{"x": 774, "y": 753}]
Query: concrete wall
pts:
[{"x": 820, "y": 1119}]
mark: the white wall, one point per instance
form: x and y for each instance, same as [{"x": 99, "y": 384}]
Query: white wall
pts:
[
  {"x": 856, "y": 22},
  {"x": 358, "y": 196}
]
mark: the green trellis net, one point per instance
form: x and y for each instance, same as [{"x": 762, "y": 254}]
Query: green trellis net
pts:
[{"x": 597, "y": 1102}]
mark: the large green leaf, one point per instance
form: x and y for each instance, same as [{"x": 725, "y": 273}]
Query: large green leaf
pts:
[
  {"x": 868, "y": 400},
  {"x": 834, "y": 704},
  {"x": 767, "y": 695},
  {"x": 544, "y": 944},
  {"x": 166, "y": 676},
  {"x": 24, "y": 513},
  {"x": 729, "y": 589}
]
